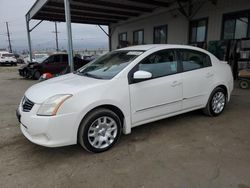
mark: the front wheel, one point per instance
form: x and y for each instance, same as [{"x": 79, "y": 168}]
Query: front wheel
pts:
[
  {"x": 37, "y": 75},
  {"x": 100, "y": 130},
  {"x": 216, "y": 103}
]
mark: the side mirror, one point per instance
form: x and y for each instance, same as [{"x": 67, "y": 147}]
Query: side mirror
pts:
[{"x": 142, "y": 75}]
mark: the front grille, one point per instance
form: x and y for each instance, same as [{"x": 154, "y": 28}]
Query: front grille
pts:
[{"x": 27, "y": 105}]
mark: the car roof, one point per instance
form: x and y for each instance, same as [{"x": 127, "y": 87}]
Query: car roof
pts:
[
  {"x": 160, "y": 46},
  {"x": 4, "y": 52}
]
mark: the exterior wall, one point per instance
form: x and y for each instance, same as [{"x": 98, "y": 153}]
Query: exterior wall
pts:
[
  {"x": 215, "y": 15},
  {"x": 178, "y": 25}
]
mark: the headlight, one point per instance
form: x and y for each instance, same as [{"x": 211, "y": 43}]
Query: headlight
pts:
[{"x": 52, "y": 104}]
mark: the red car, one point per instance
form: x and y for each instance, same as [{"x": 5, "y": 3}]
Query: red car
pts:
[{"x": 54, "y": 64}]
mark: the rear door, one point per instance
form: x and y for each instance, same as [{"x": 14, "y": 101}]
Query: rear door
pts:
[
  {"x": 160, "y": 95},
  {"x": 197, "y": 77}
]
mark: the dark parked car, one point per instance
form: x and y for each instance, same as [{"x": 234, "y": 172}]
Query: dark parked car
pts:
[{"x": 54, "y": 64}]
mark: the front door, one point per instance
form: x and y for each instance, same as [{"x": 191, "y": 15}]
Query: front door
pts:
[
  {"x": 162, "y": 94},
  {"x": 50, "y": 65}
]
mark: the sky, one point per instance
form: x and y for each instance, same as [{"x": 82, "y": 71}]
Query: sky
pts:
[{"x": 13, "y": 11}]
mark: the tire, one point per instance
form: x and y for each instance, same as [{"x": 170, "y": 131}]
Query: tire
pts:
[
  {"x": 37, "y": 75},
  {"x": 100, "y": 124},
  {"x": 216, "y": 103},
  {"x": 244, "y": 84}
]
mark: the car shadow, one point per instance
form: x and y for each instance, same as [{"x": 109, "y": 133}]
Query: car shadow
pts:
[{"x": 139, "y": 133}]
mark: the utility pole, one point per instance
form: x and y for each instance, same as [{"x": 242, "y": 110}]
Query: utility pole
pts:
[
  {"x": 8, "y": 34},
  {"x": 56, "y": 32}
]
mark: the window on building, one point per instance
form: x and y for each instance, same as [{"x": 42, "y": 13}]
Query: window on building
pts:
[
  {"x": 198, "y": 31},
  {"x": 138, "y": 37},
  {"x": 160, "y": 34},
  {"x": 192, "y": 60},
  {"x": 122, "y": 37},
  {"x": 236, "y": 25},
  {"x": 122, "y": 40}
]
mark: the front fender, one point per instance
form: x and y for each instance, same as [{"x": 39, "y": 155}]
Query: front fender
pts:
[{"x": 92, "y": 106}]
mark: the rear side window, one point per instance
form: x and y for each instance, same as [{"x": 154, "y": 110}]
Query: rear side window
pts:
[
  {"x": 192, "y": 60},
  {"x": 65, "y": 58},
  {"x": 160, "y": 64}
]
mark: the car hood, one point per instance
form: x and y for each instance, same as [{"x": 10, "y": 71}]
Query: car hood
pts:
[
  {"x": 66, "y": 84},
  {"x": 28, "y": 65},
  {"x": 33, "y": 63}
]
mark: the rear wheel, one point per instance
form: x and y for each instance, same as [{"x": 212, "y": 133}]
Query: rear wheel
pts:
[
  {"x": 244, "y": 84},
  {"x": 100, "y": 130},
  {"x": 216, "y": 103}
]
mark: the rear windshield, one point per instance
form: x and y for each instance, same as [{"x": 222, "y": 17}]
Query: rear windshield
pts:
[
  {"x": 8, "y": 55},
  {"x": 41, "y": 56}
]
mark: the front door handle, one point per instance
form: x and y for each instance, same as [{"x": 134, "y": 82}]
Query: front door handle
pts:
[{"x": 175, "y": 83}]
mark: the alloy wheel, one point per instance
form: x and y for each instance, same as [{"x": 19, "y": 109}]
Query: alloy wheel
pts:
[
  {"x": 218, "y": 102},
  {"x": 102, "y": 132}
]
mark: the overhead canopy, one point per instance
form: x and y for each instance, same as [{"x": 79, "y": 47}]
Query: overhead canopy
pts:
[
  {"x": 101, "y": 12},
  {"x": 98, "y": 12}
]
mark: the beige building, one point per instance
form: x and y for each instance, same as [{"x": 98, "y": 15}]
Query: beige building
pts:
[
  {"x": 206, "y": 21},
  {"x": 217, "y": 25}
]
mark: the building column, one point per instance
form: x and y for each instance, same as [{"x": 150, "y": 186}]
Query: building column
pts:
[
  {"x": 69, "y": 34},
  {"x": 28, "y": 34}
]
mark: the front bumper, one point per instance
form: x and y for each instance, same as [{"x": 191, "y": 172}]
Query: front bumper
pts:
[
  {"x": 26, "y": 72},
  {"x": 49, "y": 131},
  {"x": 8, "y": 62}
]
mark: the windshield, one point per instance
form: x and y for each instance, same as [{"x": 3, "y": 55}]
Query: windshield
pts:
[
  {"x": 8, "y": 55},
  {"x": 40, "y": 56},
  {"x": 109, "y": 65}
]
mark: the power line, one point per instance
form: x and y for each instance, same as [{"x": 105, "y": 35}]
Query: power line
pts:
[
  {"x": 56, "y": 33},
  {"x": 8, "y": 34}
]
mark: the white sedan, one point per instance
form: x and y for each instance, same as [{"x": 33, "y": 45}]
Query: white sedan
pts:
[{"x": 121, "y": 90}]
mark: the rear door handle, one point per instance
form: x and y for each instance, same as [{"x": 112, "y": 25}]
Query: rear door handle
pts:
[
  {"x": 175, "y": 83},
  {"x": 209, "y": 75}
]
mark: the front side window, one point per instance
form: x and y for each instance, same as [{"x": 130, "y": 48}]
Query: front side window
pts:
[
  {"x": 160, "y": 64},
  {"x": 50, "y": 59},
  {"x": 160, "y": 34},
  {"x": 236, "y": 25},
  {"x": 192, "y": 60},
  {"x": 109, "y": 65},
  {"x": 57, "y": 58},
  {"x": 198, "y": 31},
  {"x": 138, "y": 37}
]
